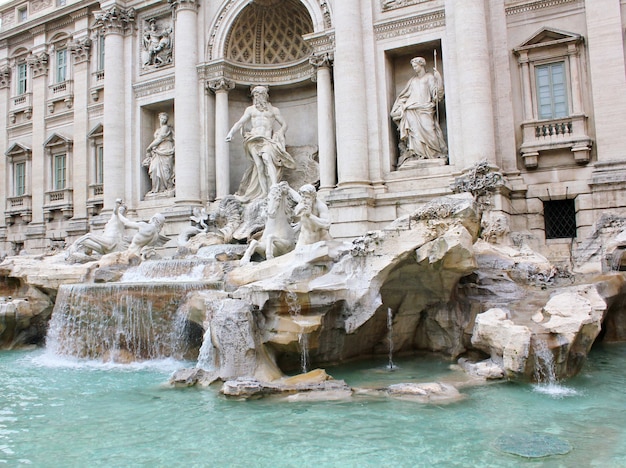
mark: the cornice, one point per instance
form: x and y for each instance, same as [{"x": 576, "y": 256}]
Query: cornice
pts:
[
  {"x": 536, "y": 5},
  {"x": 157, "y": 86},
  {"x": 409, "y": 25},
  {"x": 387, "y": 5},
  {"x": 249, "y": 75}
]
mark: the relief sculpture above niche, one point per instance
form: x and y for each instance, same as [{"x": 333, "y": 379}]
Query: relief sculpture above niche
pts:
[
  {"x": 393, "y": 4},
  {"x": 156, "y": 44}
]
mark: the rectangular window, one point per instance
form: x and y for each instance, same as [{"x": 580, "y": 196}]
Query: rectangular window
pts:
[
  {"x": 61, "y": 2},
  {"x": 560, "y": 219},
  {"x": 61, "y": 66},
  {"x": 22, "y": 14},
  {"x": 22, "y": 78},
  {"x": 99, "y": 164},
  {"x": 551, "y": 90},
  {"x": 20, "y": 179},
  {"x": 59, "y": 171},
  {"x": 100, "y": 52}
]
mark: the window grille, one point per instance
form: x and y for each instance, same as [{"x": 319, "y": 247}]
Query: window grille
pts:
[{"x": 560, "y": 219}]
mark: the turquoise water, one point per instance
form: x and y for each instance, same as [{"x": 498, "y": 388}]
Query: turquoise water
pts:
[{"x": 68, "y": 414}]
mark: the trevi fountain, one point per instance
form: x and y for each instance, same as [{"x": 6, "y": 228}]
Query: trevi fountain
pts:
[{"x": 256, "y": 339}]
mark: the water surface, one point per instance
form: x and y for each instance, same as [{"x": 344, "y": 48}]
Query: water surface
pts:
[{"x": 77, "y": 414}]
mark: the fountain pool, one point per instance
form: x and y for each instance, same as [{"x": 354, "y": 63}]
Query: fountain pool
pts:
[{"x": 63, "y": 413}]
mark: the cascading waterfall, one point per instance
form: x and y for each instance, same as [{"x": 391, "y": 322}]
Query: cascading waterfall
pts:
[
  {"x": 171, "y": 270},
  {"x": 303, "y": 339},
  {"x": 207, "y": 354},
  {"x": 120, "y": 321},
  {"x": 545, "y": 372},
  {"x": 390, "y": 365}
]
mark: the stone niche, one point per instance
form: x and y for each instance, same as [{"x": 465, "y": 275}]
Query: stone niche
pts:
[
  {"x": 400, "y": 71},
  {"x": 149, "y": 125}
]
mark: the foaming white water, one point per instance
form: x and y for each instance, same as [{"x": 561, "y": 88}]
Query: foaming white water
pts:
[
  {"x": 159, "y": 271},
  {"x": 49, "y": 359},
  {"x": 554, "y": 390}
]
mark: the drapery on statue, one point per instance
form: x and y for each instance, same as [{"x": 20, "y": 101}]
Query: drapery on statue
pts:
[
  {"x": 157, "y": 46},
  {"x": 160, "y": 157},
  {"x": 414, "y": 113},
  {"x": 263, "y": 145}
]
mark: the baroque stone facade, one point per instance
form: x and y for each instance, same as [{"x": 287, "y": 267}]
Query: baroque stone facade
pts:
[{"x": 535, "y": 90}]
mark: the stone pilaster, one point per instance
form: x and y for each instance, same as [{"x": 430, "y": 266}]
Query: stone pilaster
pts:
[
  {"x": 115, "y": 23},
  {"x": 80, "y": 50},
  {"x": 474, "y": 75},
  {"x": 221, "y": 87},
  {"x": 187, "y": 102},
  {"x": 5, "y": 91},
  {"x": 325, "y": 121},
  {"x": 350, "y": 96},
  {"x": 38, "y": 63},
  {"x": 605, "y": 40}
]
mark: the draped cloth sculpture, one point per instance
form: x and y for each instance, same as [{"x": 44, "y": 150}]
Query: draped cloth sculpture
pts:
[{"x": 160, "y": 157}]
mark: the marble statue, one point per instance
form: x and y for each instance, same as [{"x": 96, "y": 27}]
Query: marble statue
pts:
[
  {"x": 278, "y": 236},
  {"x": 111, "y": 239},
  {"x": 263, "y": 145},
  {"x": 147, "y": 235},
  {"x": 314, "y": 217},
  {"x": 160, "y": 157},
  {"x": 414, "y": 111},
  {"x": 157, "y": 46}
]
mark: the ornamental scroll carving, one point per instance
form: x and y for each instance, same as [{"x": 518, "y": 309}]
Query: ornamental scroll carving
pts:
[
  {"x": 38, "y": 64},
  {"x": 80, "y": 49},
  {"x": 115, "y": 20}
]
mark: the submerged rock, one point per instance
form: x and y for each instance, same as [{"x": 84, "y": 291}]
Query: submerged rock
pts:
[
  {"x": 319, "y": 383},
  {"x": 430, "y": 392}
]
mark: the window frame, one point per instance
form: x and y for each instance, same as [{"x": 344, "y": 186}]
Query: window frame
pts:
[
  {"x": 21, "y": 82},
  {"x": 59, "y": 183},
  {"x": 61, "y": 65},
  {"x": 19, "y": 179},
  {"x": 550, "y": 66}
]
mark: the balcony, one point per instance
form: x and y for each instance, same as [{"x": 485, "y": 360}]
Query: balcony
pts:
[
  {"x": 21, "y": 103},
  {"x": 61, "y": 92},
  {"x": 18, "y": 206},
  {"x": 554, "y": 134},
  {"x": 58, "y": 200},
  {"x": 97, "y": 80}
]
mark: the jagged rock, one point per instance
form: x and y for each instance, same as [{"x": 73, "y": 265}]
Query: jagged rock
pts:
[
  {"x": 486, "y": 369},
  {"x": 249, "y": 387},
  {"x": 431, "y": 392},
  {"x": 191, "y": 377},
  {"x": 507, "y": 343}
]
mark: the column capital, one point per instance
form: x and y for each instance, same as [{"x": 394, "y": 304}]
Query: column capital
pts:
[
  {"x": 178, "y": 5},
  {"x": 322, "y": 60},
  {"x": 115, "y": 20},
  {"x": 80, "y": 49},
  {"x": 38, "y": 64},
  {"x": 5, "y": 76},
  {"x": 220, "y": 84}
]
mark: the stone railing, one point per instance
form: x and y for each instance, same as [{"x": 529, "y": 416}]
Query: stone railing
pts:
[
  {"x": 63, "y": 91},
  {"x": 58, "y": 200},
  {"x": 18, "y": 206},
  {"x": 97, "y": 85},
  {"x": 554, "y": 134}
]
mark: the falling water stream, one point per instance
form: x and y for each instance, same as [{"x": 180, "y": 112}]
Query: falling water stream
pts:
[
  {"x": 295, "y": 311},
  {"x": 390, "y": 366}
]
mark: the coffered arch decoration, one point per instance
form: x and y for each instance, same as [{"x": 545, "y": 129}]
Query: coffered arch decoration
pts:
[{"x": 265, "y": 41}]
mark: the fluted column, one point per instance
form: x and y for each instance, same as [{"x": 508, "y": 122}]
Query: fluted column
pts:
[
  {"x": 221, "y": 87},
  {"x": 115, "y": 22},
  {"x": 187, "y": 102},
  {"x": 350, "y": 96},
  {"x": 325, "y": 121},
  {"x": 473, "y": 65}
]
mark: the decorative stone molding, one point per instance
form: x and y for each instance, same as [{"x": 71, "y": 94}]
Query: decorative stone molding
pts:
[
  {"x": 156, "y": 44},
  {"x": 5, "y": 77},
  {"x": 387, "y": 5},
  {"x": 38, "y": 5},
  {"x": 158, "y": 86},
  {"x": 411, "y": 25},
  {"x": 38, "y": 64},
  {"x": 326, "y": 12},
  {"x": 536, "y": 5},
  {"x": 115, "y": 20},
  {"x": 178, "y": 5},
  {"x": 221, "y": 84},
  {"x": 250, "y": 76},
  {"x": 322, "y": 60},
  {"x": 80, "y": 49}
]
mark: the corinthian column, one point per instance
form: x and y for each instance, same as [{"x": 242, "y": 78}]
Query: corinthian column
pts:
[
  {"x": 221, "y": 87},
  {"x": 325, "y": 120},
  {"x": 470, "y": 29},
  {"x": 350, "y": 96},
  {"x": 187, "y": 102},
  {"x": 115, "y": 22}
]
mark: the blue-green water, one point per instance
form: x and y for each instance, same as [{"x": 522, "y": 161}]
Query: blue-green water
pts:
[{"x": 59, "y": 414}]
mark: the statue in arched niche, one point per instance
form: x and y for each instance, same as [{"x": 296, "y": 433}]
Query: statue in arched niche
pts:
[{"x": 263, "y": 145}]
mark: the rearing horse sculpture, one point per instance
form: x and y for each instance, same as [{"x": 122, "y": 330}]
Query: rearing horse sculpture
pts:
[{"x": 278, "y": 237}]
